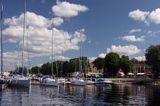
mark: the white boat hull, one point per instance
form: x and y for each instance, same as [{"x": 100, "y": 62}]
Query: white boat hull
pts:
[
  {"x": 78, "y": 82},
  {"x": 48, "y": 82}
]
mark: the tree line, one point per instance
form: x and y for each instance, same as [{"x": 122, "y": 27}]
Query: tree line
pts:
[
  {"x": 60, "y": 68},
  {"x": 110, "y": 64}
]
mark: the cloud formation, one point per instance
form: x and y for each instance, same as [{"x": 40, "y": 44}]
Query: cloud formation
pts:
[
  {"x": 140, "y": 58},
  {"x": 128, "y": 50},
  {"x": 134, "y": 31},
  {"x": 66, "y": 9},
  {"x": 133, "y": 38},
  {"x": 146, "y": 16},
  {"x": 102, "y": 55}
]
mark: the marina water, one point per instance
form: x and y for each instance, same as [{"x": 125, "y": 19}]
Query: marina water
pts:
[{"x": 90, "y": 95}]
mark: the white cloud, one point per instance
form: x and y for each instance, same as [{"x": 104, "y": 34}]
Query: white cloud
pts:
[
  {"x": 154, "y": 16},
  {"x": 32, "y": 20},
  {"x": 39, "y": 39},
  {"x": 66, "y": 9},
  {"x": 146, "y": 16},
  {"x": 60, "y": 57},
  {"x": 11, "y": 60},
  {"x": 134, "y": 31},
  {"x": 124, "y": 50},
  {"x": 102, "y": 55},
  {"x": 91, "y": 59},
  {"x": 57, "y": 21},
  {"x": 139, "y": 15},
  {"x": 140, "y": 58},
  {"x": 133, "y": 38}
]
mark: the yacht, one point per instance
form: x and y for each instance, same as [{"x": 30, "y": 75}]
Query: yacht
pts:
[
  {"x": 48, "y": 81},
  {"x": 78, "y": 82},
  {"x": 20, "y": 80}
]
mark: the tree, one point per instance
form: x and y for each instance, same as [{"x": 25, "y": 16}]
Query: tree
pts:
[
  {"x": 153, "y": 58},
  {"x": 125, "y": 64},
  {"x": 46, "y": 69},
  {"x": 99, "y": 63},
  {"x": 34, "y": 70},
  {"x": 112, "y": 63},
  {"x": 18, "y": 70}
]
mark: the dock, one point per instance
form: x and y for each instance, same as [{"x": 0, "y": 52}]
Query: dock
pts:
[{"x": 132, "y": 80}]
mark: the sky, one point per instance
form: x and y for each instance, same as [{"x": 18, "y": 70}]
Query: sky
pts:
[{"x": 90, "y": 28}]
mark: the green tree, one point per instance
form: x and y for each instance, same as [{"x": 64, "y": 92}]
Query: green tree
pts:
[
  {"x": 34, "y": 70},
  {"x": 99, "y": 63},
  {"x": 112, "y": 63},
  {"x": 18, "y": 70},
  {"x": 153, "y": 58},
  {"x": 46, "y": 69},
  {"x": 125, "y": 64}
]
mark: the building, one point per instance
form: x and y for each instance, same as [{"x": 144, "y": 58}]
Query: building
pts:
[{"x": 142, "y": 69}]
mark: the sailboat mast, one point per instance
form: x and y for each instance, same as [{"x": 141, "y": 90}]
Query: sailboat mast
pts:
[
  {"x": 52, "y": 53},
  {"x": 80, "y": 62},
  {"x": 24, "y": 29},
  {"x": 28, "y": 58},
  {"x": 1, "y": 21}
]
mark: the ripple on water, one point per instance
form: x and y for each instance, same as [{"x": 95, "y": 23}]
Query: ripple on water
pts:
[{"x": 102, "y": 95}]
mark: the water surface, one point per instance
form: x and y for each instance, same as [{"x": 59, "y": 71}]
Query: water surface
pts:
[{"x": 90, "y": 95}]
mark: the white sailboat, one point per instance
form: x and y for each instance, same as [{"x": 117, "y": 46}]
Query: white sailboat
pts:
[
  {"x": 77, "y": 80},
  {"x": 60, "y": 79},
  {"x": 48, "y": 80},
  {"x": 21, "y": 80}
]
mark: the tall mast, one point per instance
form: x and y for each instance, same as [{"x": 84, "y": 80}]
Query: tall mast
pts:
[
  {"x": 24, "y": 30},
  {"x": 52, "y": 53},
  {"x": 61, "y": 65},
  {"x": 80, "y": 59},
  {"x": 1, "y": 21},
  {"x": 28, "y": 58}
]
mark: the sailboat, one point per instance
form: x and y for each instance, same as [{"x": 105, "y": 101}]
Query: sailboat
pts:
[
  {"x": 21, "y": 80},
  {"x": 2, "y": 80},
  {"x": 46, "y": 80},
  {"x": 77, "y": 80},
  {"x": 60, "y": 79}
]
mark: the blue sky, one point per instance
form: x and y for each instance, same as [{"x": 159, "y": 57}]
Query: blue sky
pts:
[{"x": 126, "y": 27}]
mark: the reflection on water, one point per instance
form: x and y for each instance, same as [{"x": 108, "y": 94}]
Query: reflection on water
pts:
[{"x": 90, "y": 95}]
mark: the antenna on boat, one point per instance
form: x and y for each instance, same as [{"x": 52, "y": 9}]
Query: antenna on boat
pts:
[
  {"x": 1, "y": 21},
  {"x": 24, "y": 31}
]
